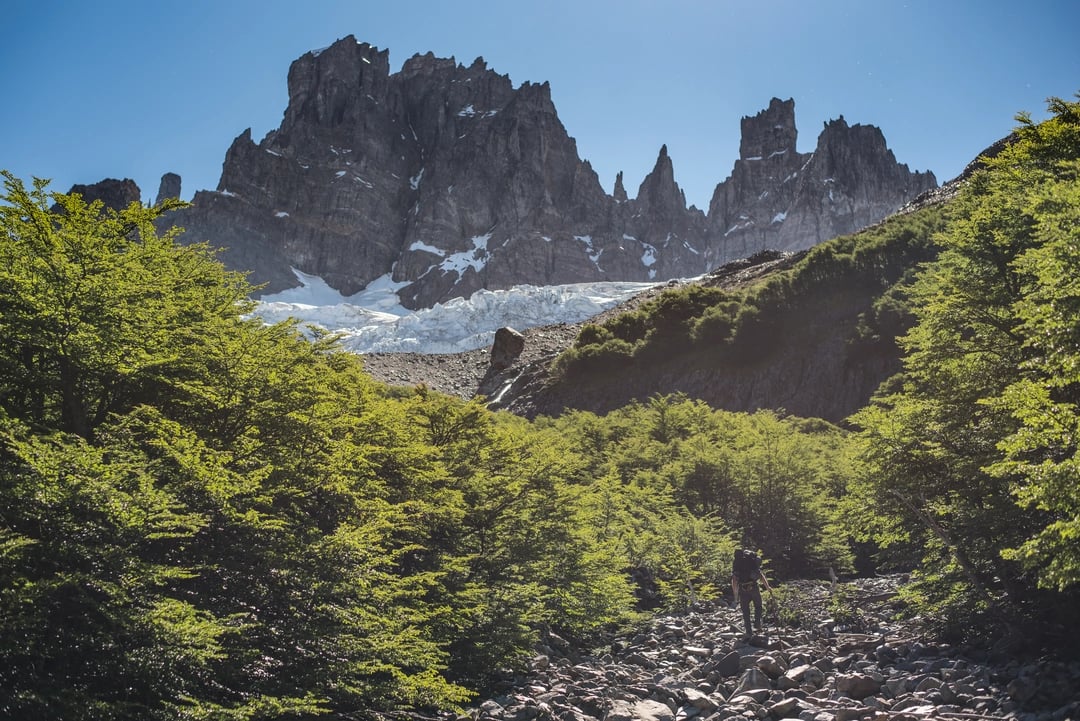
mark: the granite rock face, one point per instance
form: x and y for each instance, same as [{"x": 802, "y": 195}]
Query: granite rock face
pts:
[
  {"x": 450, "y": 179},
  {"x": 113, "y": 193},
  {"x": 168, "y": 188},
  {"x": 780, "y": 199}
]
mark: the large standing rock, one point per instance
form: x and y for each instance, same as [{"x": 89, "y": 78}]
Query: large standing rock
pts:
[{"x": 506, "y": 348}]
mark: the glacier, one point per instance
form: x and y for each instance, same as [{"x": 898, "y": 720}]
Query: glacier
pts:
[{"x": 374, "y": 321}]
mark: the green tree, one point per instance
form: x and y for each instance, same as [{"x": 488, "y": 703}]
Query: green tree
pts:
[
  {"x": 973, "y": 425},
  {"x": 773, "y": 482},
  {"x": 97, "y": 308},
  {"x": 1041, "y": 455},
  {"x": 194, "y": 521}
]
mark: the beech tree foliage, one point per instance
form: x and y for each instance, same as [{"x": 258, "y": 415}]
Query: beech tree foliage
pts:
[
  {"x": 972, "y": 455},
  {"x": 204, "y": 516}
]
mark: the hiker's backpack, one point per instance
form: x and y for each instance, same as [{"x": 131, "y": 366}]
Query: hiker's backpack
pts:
[{"x": 745, "y": 565}]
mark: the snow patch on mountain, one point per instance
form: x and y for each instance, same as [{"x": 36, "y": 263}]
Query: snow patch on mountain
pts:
[{"x": 375, "y": 321}]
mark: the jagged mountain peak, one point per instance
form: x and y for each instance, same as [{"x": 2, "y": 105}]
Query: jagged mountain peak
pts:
[
  {"x": 112, "y": 192},
  {"x": 619, "y": 193},
  {"x": 451, "y": 179},
  {"x": 779, "y": 198},
  {"x": 427, "y": 64},
  {"x": 658, "y": 193},
  {"x": 770, "y": 132},
  {"x": 663, "y": 170}
]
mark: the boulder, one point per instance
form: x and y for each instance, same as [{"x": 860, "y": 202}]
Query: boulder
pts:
[
  {"x": 857, "y": 686},
  {"x": 506, "y": 348},
  {"x": 771, "y": 666},
  {"x": 643, "y": 710},
  {"x": 752, "y": 679},
  {"x": 729, "y": 664}
]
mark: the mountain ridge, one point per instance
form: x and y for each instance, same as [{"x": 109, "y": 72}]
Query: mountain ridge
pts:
[
  {"x": 451, "y": 179},
  {"x": 835, "y": 372}
]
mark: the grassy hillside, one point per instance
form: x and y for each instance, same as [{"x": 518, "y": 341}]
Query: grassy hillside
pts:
[{"x": 815, "y": 339}]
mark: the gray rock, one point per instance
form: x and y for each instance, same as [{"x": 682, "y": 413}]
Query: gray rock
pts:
[
  {"x": 805, "y": 674},
  {"x": 506, "y": 347},
  {"x": 857, "y": 686},
  {"x": 788, "y": 708},
  {"x": 756, "y": 696},
  {"x": 752, "y": 679},
  {"x": 643, "y": 710},
  {"x": 771, "y": 666},
  {"x": 699, "y": 700},
  {"x": 796, "y": 673},
  {"x": 729, "y": 664},
  {"x": 851, "y": 714},
  {"x": 168, "y": 188},
  {"x": 641, "y": 660},
  {"x": 814, "y": 676},
  {"x": 522, "y": 713},
  {"x": 491, "y": 709}
]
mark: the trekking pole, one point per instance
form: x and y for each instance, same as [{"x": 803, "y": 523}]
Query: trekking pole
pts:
[{"x": 776, "y": 611}]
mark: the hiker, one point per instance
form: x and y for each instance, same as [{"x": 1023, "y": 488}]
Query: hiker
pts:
[{"x": 745, "y": 573}]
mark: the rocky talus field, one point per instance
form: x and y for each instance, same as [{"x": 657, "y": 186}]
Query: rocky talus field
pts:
[{"x": 805, "y": 664}]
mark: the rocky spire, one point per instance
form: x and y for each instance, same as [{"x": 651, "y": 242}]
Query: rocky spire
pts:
[
  {"x": 658, "y": 191},
  {"x": 620, "y": 191},
  {"x": 168, "y": 188},
  {"x": 661, "y": 222},
  {"x": 770, "y": 132}
]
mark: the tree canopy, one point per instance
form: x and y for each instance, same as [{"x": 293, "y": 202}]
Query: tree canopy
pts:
[
  {"x": 205, "y": 516},
  {"x": 972, "y": 451}
]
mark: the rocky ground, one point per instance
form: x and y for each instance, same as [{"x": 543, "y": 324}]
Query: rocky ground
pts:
[
  {"x": 697, "y": 666},
  {"x": 461, "y": 374}
]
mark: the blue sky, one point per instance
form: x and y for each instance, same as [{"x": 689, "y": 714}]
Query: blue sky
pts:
[{"x": 134, "y": 89}]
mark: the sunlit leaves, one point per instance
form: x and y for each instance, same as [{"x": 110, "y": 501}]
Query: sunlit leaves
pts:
[{"x": 975, "y": 453}]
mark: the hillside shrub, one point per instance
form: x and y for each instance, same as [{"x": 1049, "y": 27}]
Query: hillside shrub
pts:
[
  {"x": 971, "y": 454},
  {"x": 866, "y": 269}
]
